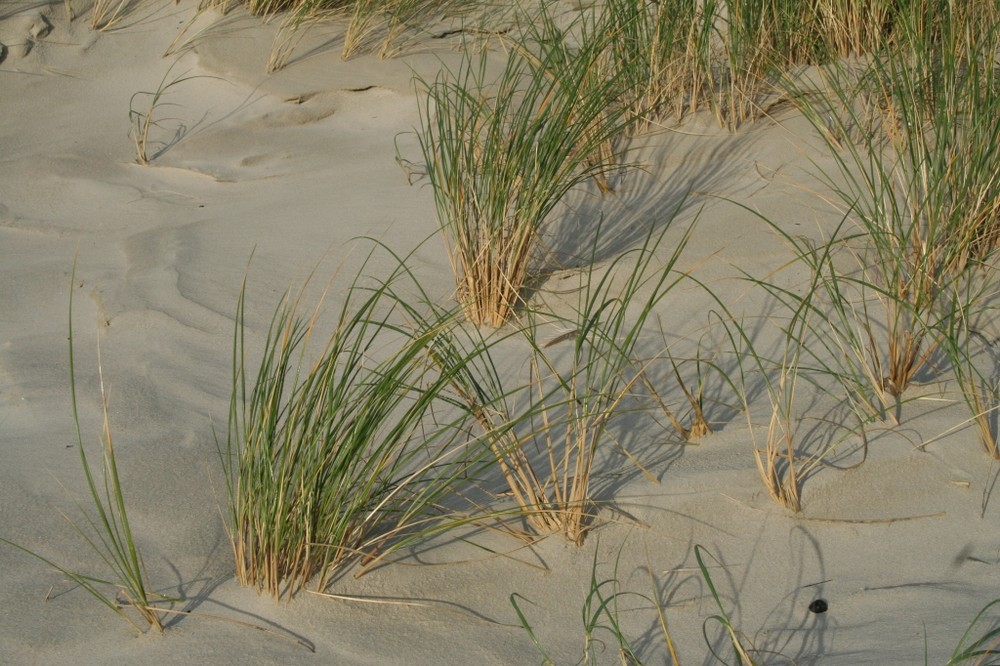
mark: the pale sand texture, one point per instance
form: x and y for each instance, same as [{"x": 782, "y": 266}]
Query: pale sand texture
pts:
[{"x": 904, "y": 546}]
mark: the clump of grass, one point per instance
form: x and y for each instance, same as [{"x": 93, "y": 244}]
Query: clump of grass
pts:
[
  {"x": 109, "y": 535},
  {"x": 682, "y": 54},
  {"x": 695, "y": 425},
  {"x": 780, "y": 464},
  {"x": 501, "y": 154},
  {"x": 654, "y": 47},
  {"x": 336, "y": 460},
  {"x": 601, "y": 611},
  {"x": 573, "y": 396},
  {"x": 843, "y": 308},
  {"x": 916, "y": 172},
  {"x": 742, "y": 79},
  {"x": 589, "y": 388}
]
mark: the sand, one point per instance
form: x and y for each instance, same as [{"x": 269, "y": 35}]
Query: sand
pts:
[{"x": 294, "y": 167}]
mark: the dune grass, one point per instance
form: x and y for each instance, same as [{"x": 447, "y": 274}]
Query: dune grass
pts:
[
  {"x": 600, "y": 611},
  {"x": 728, "y": 55},
  {"x": 655, "y": 48},
  {"x": 369, "y": 25},
  {"x": 574, "y": 399},
  {"x": 106, "y": 14},
  {"x": 502, "y": 152},
  {"x": 106, "y": 529},
  {"x": 915, "y": 143},
  {"x": 336, "y": 459},
  {"x": 600, "y": 614},
  {"x": 547, "y": 448},
  {"x": 981, "y": 649},
  {"x": 144, "y": 119},
  {"x": 780, "y": 465},
  {"x": 975, "y": 361},
  {"x": 695, "y": 425}
]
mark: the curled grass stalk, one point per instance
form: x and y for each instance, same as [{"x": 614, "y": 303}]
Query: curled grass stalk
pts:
[
  {"x": 741, "y": 654},
  {"x": 144, "y": 119},
  {"x": 501, "y": 154},
  {"x": 600, "y": 612},
  {"x": 109, "y": 535}
]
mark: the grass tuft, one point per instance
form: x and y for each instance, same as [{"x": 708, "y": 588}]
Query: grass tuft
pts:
[
  {"x": 502, "y": 153},
  {"x": 572, "y": 396},
  {"x": 339, "y": 459}
]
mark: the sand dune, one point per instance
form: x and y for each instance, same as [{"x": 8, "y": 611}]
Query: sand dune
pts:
[{"x": 901, "y": 539}]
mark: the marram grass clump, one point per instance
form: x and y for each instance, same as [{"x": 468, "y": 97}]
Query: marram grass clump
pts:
[
  {"x": 339, "y": 458},
  {"x": 502, "y": 152}
]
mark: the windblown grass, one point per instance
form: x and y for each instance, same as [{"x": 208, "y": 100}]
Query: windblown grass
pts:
[
  {"x": 501, "y": 154},
  {"x": 741, "y": 653},
  {"x": 336, "y": 460}
]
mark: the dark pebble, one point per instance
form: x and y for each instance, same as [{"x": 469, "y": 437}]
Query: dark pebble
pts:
[{"x": 818, "y": 606}]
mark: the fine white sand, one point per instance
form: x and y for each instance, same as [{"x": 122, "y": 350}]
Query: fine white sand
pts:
[{"x": 293, "y": 167}]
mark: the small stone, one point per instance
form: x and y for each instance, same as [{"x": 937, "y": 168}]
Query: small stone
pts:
[{"x": 818, "y": 606}]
